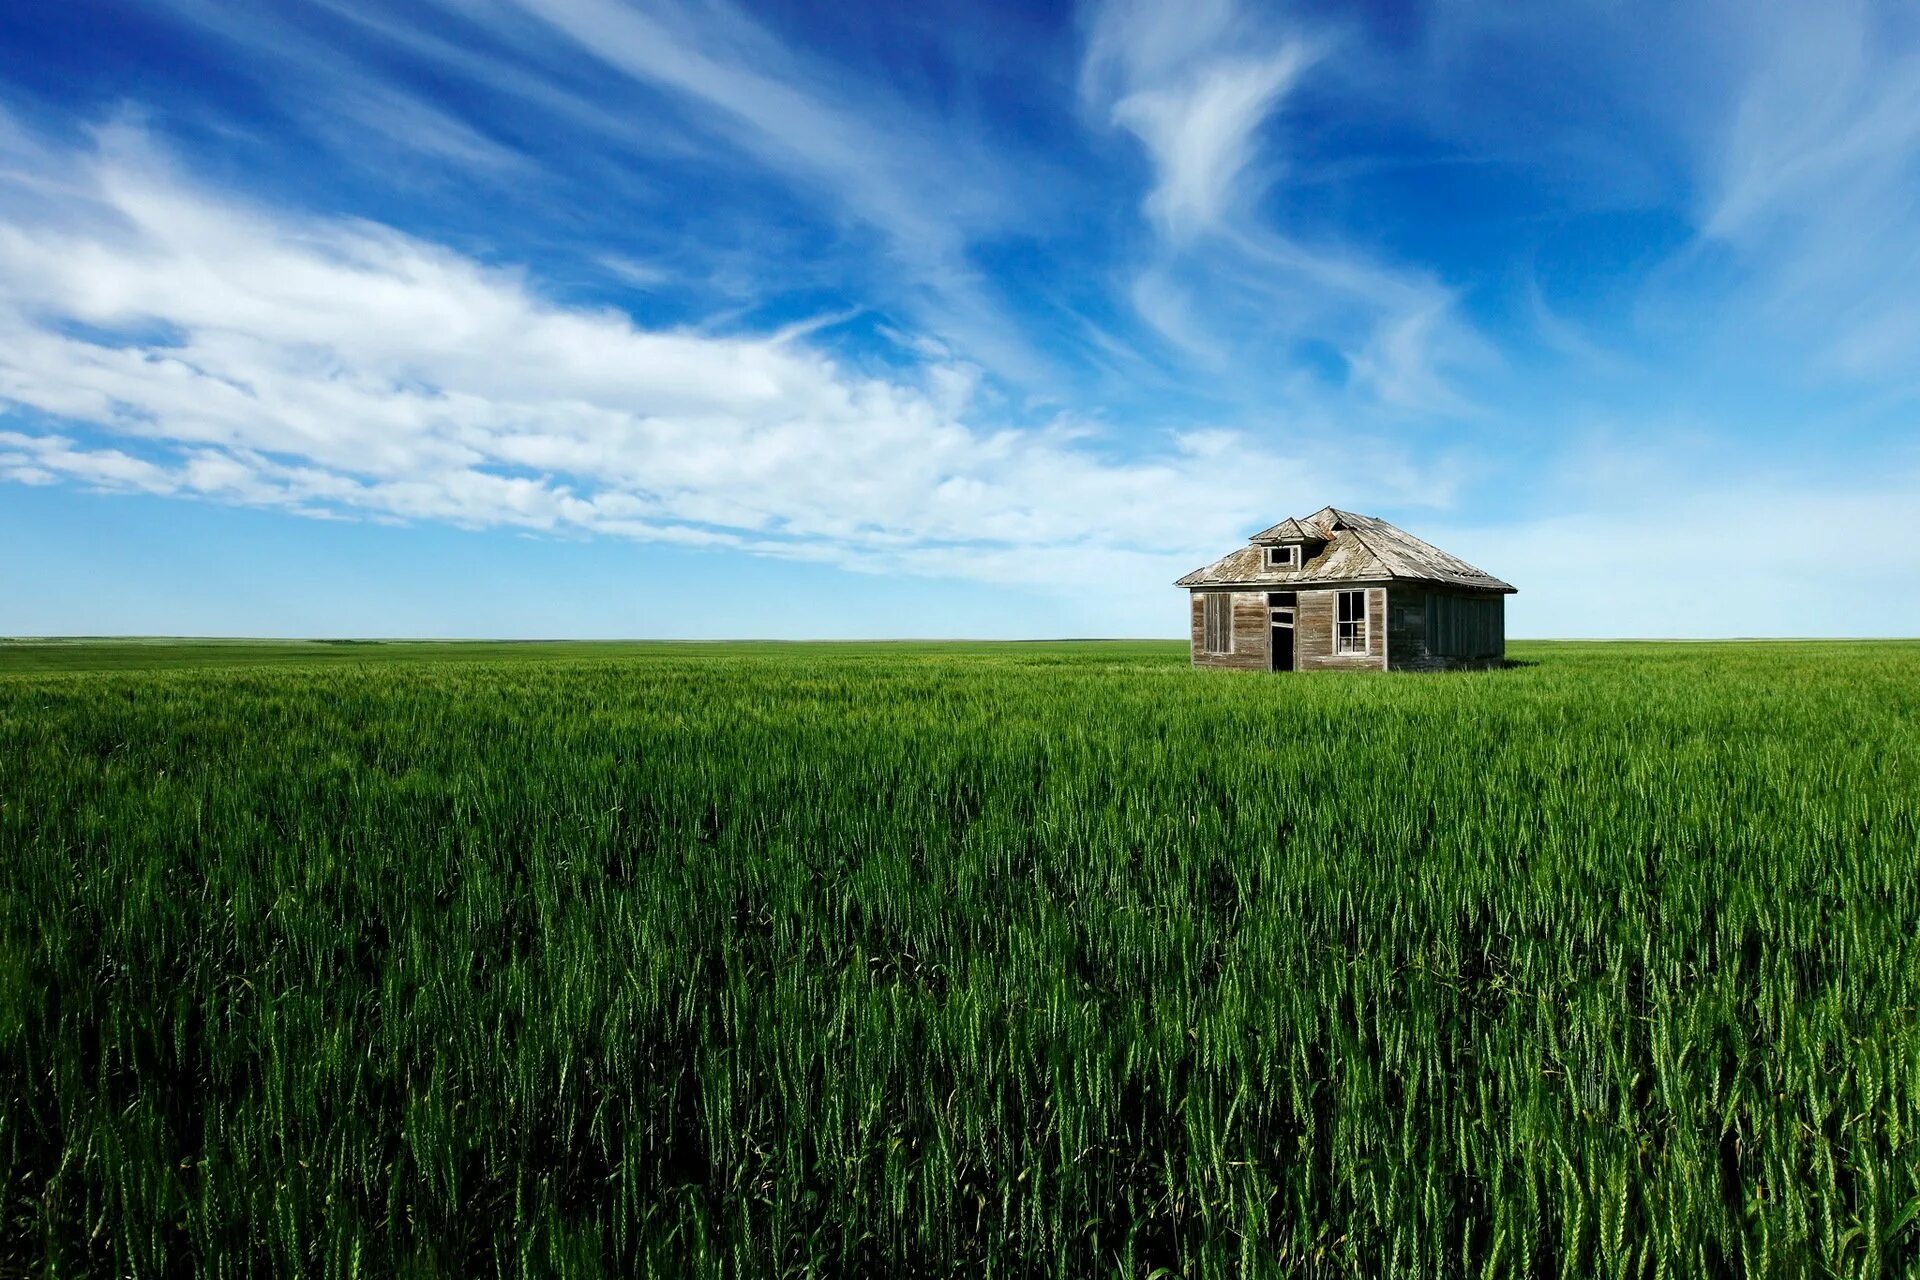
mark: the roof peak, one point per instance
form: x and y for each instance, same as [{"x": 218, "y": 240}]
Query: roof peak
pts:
[
  {"x": 1352, "y": 548},
  {"x": 1292, "y": 530}
]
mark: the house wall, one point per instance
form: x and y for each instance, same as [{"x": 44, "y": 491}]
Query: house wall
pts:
[
  {"x": 1403, "y": 632},
  {"x": 1249, "y": 633},
  {"x": 1436, "y": 630},
  {"x": 1407, "y": 631},
  {"x": 1314, "y": 630}
]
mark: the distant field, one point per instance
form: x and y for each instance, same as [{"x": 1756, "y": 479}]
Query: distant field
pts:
[
  {"x": 948, "y": 959},
  {"x": 160, "y": 653}
]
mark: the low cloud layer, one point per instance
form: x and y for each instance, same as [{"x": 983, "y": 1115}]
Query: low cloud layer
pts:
[{"x": 159, "y": 337}]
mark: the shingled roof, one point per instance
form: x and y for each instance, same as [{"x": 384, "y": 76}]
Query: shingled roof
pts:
[{"x": 1357, "y": 549}]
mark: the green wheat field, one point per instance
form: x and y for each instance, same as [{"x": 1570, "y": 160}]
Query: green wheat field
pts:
[{"x": 957, "y": 960}]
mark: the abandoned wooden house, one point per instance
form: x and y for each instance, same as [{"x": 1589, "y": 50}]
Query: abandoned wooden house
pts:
[{"x": 1338, "y": 591}]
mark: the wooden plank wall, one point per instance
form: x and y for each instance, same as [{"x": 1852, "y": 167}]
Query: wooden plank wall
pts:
[
  {"x": 1313, "y": 637},
  {"x": 1446, "y": 630},
  {"x": 1407, "y": 630},
  {"x": 1249, "y": 633},
  {"x": 1400, "y": 631}
]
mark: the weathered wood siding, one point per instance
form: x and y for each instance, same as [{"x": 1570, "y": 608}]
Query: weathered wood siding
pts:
[
  {"x": 1314, "y": 632},
  {"x": 1408, "y": 629},
  {"x": 1249, "y": 633},
  {"x": 1437, "y": 630}
]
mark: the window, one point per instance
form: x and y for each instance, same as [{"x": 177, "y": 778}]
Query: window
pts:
[
  {"x": 1350, "y": 626},
  {"x": 1283, "y": 557},
  {"x": 1280, "y": 599},
  {"x": 1217, "y": 634}
]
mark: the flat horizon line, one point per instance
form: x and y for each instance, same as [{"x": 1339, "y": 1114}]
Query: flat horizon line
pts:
[{"x": 398, "y": 640}]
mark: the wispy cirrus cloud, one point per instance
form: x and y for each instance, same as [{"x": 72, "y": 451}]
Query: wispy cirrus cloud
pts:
[
  {"x": 1194, "y": 85},
  {"x": 927, "y": 182},
  {"x": 855, "y": 145},
  {"x": 1783, "y": 141},
  {"x": 1815, "y": 181},
  {"x": 361, "y": 110},
  {"x": 1202, "y": 88},
  {"x": 895, "y": 194},
  {"x": 892, "y": 194}
]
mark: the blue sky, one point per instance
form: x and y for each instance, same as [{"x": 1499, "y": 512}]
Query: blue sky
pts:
[{"x": 580, "y": 317}]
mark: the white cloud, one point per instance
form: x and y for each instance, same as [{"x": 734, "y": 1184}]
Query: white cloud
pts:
[
  {"x": 694, "y": 83},
  {"x": 926, "y": 182},
  {"x": 1815, "y": 182},
  {"x": 1785, "y": 135},
  {"x": 1826, "y": 105},
  {"x": 1399, "y": 360},
  {"x": 1199, "y": 134},
  {"x": 231, "y": 353},
  {"x": 1193, "y": 84},
  {"x": 768, "y": 101},
  {"x": 362, "y": 112}
]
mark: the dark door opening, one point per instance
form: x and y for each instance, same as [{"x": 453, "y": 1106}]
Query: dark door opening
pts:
[{"x": 1280, "y": 641}]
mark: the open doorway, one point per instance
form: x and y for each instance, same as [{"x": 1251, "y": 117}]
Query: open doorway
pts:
[{"x": 1280, "y": 611}]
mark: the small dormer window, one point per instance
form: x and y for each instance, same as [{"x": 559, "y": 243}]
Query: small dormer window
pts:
[{"x": 1283, "y": 557}]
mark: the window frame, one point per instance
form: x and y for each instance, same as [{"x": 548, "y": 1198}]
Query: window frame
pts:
[
  {"x": 1290, "y": 551},
  {"x": 1216, "y": 635},
  {"x": 1361, "y": 625}
]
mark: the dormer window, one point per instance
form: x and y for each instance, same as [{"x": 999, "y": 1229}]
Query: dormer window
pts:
[{"x": 1283, "y": 557}]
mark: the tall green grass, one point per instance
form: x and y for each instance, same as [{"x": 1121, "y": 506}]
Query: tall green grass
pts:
[{"x": 994, "y": 961}]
